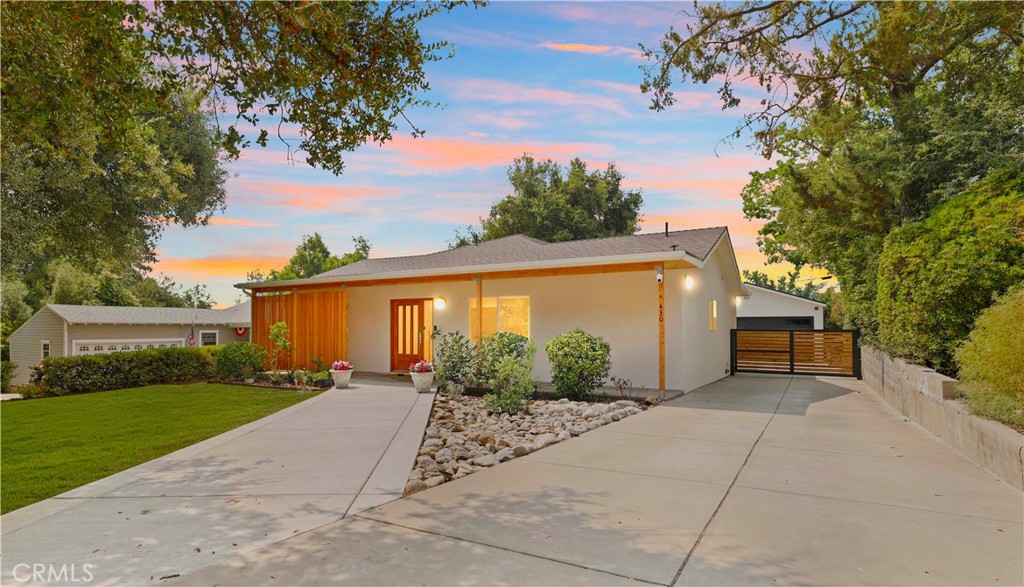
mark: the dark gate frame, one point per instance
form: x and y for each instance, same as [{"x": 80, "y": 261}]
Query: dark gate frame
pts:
[{"x": 792, "y": 354}]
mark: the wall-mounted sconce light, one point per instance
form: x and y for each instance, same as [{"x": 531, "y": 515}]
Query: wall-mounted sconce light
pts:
[
  {"x": 688, "y": 282},
  {"x": 439, "y": 303}
]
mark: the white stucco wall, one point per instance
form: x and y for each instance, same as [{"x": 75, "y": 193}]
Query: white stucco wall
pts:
[
  {"x": 696, "y": 355},
  {"x": 622, "y": 308},
  {"x": 764, "y": 302}
]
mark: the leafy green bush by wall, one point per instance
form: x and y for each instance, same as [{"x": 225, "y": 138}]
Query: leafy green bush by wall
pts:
[
  {"x": 454, "y": 361},
  {"x": 512, "y": 381},
  {"x": 496, "y": 347},
  {"x": 239, "y": 360},
  {"x": 88, "y": 373},
  {"x": 580, "y": 363},
  {"x": 7, "y": 371},
  {"x": 935, "y": 276},
  {"x": 991, "y": 362}
]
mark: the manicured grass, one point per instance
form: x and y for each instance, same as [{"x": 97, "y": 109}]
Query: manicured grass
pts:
[{"x": 53, "y": 445}]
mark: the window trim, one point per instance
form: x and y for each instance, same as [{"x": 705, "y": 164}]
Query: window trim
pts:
[
  {"x": 216, "y": 337},
  {"x": 48, "y": 351}
]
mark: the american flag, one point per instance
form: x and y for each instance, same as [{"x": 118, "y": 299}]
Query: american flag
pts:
[{"x": 191, "y": 341}]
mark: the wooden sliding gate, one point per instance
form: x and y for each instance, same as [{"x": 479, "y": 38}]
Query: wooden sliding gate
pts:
[{"x": 797, "y": 352}]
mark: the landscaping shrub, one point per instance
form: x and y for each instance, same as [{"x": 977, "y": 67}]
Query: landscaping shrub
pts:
[
  {"x": 87, "y": 373},
  {"x": 580, "y": 362},
  {"x": 512, "y": 382},
  {"x": 936, "y": 275},
  {"x": 496, "y": 347},
  {"x": 454, "y": 361},
  {"x": 239, "y": 360},
  {"x": 7, "y": 371},
  {"x": 991, "y": 362}
]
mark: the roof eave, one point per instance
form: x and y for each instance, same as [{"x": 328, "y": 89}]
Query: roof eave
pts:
[{"x": 547, "y": 264}]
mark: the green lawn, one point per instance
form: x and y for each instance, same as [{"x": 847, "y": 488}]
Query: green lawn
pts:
[{"x": 55, "y": 444}]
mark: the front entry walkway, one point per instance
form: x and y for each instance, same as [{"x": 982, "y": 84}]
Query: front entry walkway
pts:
[
  {"x": 301, "y": 468},
  {"x": 749, "y": 481}
]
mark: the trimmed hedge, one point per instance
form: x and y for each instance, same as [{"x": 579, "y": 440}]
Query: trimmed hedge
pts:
[
  {"x": 992, "y": 362},
  {"x": 238, "y": 359},
  {"x": 936, "y": 275},
  {"x": 7, "y": 370},
  {"x": 88, "y": 373}
]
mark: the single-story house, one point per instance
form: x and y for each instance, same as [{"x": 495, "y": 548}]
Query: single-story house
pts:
[
  {"x": 768, "y": 309},
  {"x": 665, "y": 302},
  {"x": 67, "y": 330}
]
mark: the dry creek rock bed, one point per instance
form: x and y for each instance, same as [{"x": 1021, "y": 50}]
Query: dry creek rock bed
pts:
[{"x": 463, "y": 437}]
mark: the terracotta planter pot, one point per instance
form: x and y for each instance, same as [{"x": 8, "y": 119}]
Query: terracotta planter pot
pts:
[
  {"x": 422, "y": 381},
  {"x": 341, "y": 378}
]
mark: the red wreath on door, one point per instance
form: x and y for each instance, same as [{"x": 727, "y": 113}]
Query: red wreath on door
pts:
[{"x": 240, "y": 331}]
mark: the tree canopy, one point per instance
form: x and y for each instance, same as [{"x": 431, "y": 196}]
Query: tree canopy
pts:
[
  {"x": 873, "y": 112},
  {"x": 555, "y": 203},
  {"x": 788, "y": 283},
  {"x": 312, "y": 257}
]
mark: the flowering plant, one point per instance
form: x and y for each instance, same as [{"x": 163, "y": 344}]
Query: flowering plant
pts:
[
  {"x": 421, "y": 367},
  {"x": 341, "y": 366}
]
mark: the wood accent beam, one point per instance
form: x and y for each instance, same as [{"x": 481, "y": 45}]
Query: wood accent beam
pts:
[
  {"x": 661, "y": 332},
  {"x": 479, "y": 310},
  {"x": 344, "y": 324},
  {"x": 513, "y": 274}
]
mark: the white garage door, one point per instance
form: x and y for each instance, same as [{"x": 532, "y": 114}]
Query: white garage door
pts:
[{"x": 100, "y": 347}]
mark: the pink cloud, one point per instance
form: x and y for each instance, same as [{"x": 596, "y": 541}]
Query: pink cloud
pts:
[
  {"x": 200, "y": 268},
  {"x": 305, "y": 196},
  {"x": 609, "y": 50},
  {"x": 618, "y": 14},
  {"x": 220, "y": 221},
  {"x": 504, "y": 92},
  {"x": 418, "y": 154}
]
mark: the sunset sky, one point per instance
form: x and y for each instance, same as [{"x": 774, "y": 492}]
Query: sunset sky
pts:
[{"x": 557, "y": 80}]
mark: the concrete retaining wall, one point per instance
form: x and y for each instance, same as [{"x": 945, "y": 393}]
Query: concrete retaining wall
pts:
[{"x": 928, "y": 398}]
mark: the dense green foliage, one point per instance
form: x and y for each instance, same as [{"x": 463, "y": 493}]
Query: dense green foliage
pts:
[
  {"x": 512, "y": 381},
  {"x": 53, "y": 445},
  {"x": 240, "y": 360},
  {"x": 935, "y": 276},
  {"x": 89, "y": 373},
  {"x": 497, "y": 347},
  {"x": 280, "y": 349},
  {"x": 554, "y": 204},
  {"x": 580, "y": 363},
  {"x": 897, "y": 108},
  {"x": 8, "y": 370},
  {"x": 455, "y": 361},
  {"x": 312, "y": 258},
  {"x": 992, "y": 363}
]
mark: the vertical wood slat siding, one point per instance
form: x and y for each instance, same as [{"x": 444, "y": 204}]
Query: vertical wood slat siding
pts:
[{"x": 316, "y": 325}]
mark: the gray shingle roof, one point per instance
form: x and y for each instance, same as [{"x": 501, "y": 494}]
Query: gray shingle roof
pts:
[
  {"x": 697, "y": 242},
  {"x": 238, "y": 315}
]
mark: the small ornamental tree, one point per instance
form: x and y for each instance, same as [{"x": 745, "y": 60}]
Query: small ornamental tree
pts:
[
  {"x": 498, "y": 346},
  {"x": 512, "y": 382},
  {"x": 282, "y": 346},
  {"x": 454, "y": 361},
  {"x": 580, "y": 363}
]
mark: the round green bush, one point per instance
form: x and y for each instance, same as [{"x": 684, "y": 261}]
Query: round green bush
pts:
[
  {"x": 580, "y": 363},
  {"x": 454, "y": 360},
  {"x": 239, "y": 360},
  {"x": 936, "y": 275},
  {"x": 496, "y": 347}
]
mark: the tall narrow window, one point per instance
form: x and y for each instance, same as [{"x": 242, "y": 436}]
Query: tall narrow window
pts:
[
  {"x": 504, "y": 314},
  {"x": 713, "y": 315},
  {"x": 44, "y": 349}
]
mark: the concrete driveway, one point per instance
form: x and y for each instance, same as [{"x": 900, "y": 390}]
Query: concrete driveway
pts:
[
  {"x": 749, "y": 481},
  {"x": 298, "y": 469}
]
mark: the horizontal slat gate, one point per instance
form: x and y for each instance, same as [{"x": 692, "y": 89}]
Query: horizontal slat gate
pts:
[{"x": 798, "y": 352}]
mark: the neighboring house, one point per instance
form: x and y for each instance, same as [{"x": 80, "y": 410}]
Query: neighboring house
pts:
[
  {"x": 66, "y": 330},
  {"x": 768, "y": 309},
  {"x": 665, "y": 303}
]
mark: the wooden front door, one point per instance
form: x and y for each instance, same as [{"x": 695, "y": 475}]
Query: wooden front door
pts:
[{"x": 408, "y": 330}]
